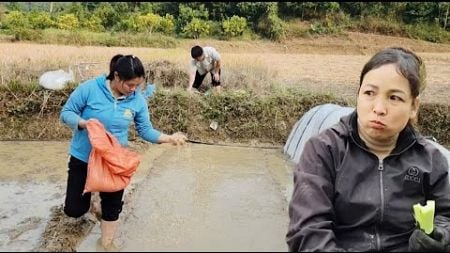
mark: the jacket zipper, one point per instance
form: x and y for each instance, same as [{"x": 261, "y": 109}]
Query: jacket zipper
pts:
[{"x": 380, "y": 169}]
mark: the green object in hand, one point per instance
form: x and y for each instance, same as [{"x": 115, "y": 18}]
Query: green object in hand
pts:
[{"x": 424, "y": 215}]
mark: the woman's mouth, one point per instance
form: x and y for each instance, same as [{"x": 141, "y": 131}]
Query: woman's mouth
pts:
[{"x": 377, "y": 124}]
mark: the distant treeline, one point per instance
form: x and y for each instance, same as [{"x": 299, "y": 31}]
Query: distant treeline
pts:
[{"x": 273, "y": 20}]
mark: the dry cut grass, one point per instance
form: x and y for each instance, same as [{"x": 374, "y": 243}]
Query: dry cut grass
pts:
[{"x": 257, "y": 69}]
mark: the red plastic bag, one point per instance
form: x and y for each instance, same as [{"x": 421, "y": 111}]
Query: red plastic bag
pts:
[{"x": 110, "y": 165}]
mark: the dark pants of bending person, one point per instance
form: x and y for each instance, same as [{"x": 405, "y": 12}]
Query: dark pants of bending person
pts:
[
  {"x": 77, "y": 203},
  {"x": 199, "y": 80}
]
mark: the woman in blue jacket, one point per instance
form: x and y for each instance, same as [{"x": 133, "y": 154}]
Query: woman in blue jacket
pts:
[{"x": 116, "y": 101}]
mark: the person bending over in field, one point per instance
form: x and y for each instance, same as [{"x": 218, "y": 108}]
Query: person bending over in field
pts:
[{"x": 204, "y": 60}]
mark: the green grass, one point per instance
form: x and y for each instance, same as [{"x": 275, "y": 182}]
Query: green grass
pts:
[{"x": 242, "y": 115}]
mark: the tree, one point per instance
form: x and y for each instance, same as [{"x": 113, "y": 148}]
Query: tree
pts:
[
  {"x": 78, "y": 10},
  {"x": 251, "y": 11},
  {"x": 15, "y": 6},
  {"x": 187, "y": 14},
  {"x": 270, "y": 25},
  {"x": 446, "y": 16},
  {"x": 150, "y": 22},
  {"x": 107, "y": 14},
  {"x": 417, "y": 12},
  {"x": 221, "y": 10}
]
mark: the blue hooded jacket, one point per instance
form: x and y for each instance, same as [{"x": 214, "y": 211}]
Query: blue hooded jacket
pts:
[{"x": 93, "y": 99}]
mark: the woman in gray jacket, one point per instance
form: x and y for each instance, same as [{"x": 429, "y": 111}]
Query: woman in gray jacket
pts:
[{"x": 357, "y": 181}]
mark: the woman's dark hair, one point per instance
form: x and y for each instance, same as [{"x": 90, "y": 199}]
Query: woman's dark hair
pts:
[
  {"x": 196, "y": 51},
  {"x": 127, "y": 67},
  {"x": 408, "y": 64},
  {"x": 113, "y": 62}
]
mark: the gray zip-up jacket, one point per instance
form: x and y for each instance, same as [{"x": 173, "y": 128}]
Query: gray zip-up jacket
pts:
[{"x": 346, "y": 199}]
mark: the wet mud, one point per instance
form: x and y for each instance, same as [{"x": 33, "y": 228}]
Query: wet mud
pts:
[
  {"x": 192, "y": 198},
  {"x": 208, "y": 198}
]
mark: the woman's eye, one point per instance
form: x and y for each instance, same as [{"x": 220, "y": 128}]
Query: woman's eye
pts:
[
  {"x": 368, "y": 92},
  {"x": 396, "y": 98}
]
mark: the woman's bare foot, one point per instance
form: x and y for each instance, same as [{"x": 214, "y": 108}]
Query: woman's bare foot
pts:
[{"x": 111, "y": 247}]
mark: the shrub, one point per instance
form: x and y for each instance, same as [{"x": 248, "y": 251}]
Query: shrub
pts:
[
  {"x": 234, "y": 26},
  {"x": 167, "y": 24},
  {"x": 15, "y": 19},
  {"x": 333, "y": 23},
  {"x": 22, "y": 33},
  {"x": 94, "y": 24},
  {"x": 381, "y": 26},
  {"x": 186, "y": 14},
  {"x": 130, "y": 24},
  {"x": 40, "y": 20},
  {"x": 428, "y": 32},
  {"x": 196, "y": 28},
  {"x": 68, "y": 22},
  {"x": 270, "y": 25},
  {"x": 149, "y": 22}
]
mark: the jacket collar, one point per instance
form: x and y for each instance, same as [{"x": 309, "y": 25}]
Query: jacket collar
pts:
[{"x": 406, "y": 138}]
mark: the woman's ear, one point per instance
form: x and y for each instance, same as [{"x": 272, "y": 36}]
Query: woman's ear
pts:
[{"x": 415, "y": 108}]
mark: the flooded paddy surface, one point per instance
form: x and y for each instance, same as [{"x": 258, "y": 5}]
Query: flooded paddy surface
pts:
[{"x": 191, "y": 198}]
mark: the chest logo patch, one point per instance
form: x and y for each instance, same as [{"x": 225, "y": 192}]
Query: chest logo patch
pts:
[
  {"x": 413, "y": 174},
  {"x": 128, "y": 114}
]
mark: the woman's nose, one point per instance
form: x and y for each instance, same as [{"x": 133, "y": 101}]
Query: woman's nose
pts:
[{"x": 379, "y": 107}]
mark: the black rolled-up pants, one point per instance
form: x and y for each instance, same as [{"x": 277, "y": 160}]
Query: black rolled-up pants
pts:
[{"x": 77, "y": 203}]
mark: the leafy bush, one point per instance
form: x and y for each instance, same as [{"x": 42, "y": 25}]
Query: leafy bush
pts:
[
  {"x": 270, "y": 25},
  {"x": 130, "y": 24},
  {"x": 15, "y": 19},
  {"x": 22, "y": 33},
  {"x": 381, "y": 26},
  {"x": 94, "y": 24},
  {"x": 68, "y": 22},
  {"x": 40, "y": 20},
  {"x": 167, "y": 24},
  {"x": 234, "y": 26},
  {"x": 252, "y": 11},
  {"x": 196, "y": 28},
  {"x": 428, "y": 32},
  {"x": 149, "y": 22},
  {"x": 186, "y": 14},
  {"x": 333, "y": 23},
  {"x": 108, "y": 15}
]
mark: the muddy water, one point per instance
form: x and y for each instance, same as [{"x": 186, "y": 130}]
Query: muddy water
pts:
[
  {"x": 208, "y": 198},
  {"x": 32, "y": 178},
  {"x": 32, "y": 189},
  {"x": 197, "y": 198}
]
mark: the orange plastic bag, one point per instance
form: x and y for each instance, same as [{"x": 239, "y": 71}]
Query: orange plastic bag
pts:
[{"x": 110, "y": 165}]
